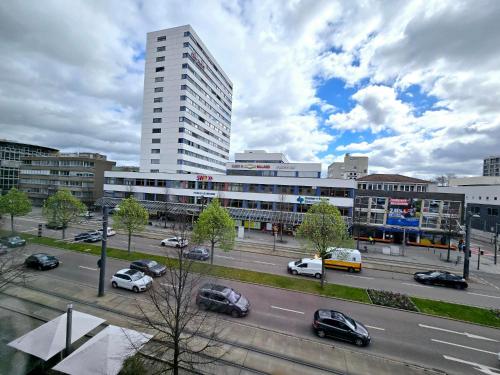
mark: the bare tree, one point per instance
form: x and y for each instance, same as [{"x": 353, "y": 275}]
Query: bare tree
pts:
[
  {"x": 11, "y": 267},
  {"x": 185, "y": 336}
]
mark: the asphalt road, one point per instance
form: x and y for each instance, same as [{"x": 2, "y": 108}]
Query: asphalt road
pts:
[
  {"x": 432, "y": 342},
  {"x": 483, "y": 294}
]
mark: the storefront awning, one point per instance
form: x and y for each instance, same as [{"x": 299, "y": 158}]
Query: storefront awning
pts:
[
  {"x": 104, "y": 353},
  {"x": 50, "y": 338}
]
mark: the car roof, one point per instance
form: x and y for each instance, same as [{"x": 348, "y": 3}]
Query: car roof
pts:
[
  {"x": 39, "y": 255},
  {"x": 216, "y": 287},
  {"x": 127, "y": 271},
  {"x": 331, "y": 314}
]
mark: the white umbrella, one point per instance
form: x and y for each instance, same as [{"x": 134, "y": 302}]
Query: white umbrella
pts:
[
  {"x": 105, "y": 353},
  {"x": 50, "y": 338}
]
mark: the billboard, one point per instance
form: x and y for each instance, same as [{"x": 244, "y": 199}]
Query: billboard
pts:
[{"x": 404, "y": 212}]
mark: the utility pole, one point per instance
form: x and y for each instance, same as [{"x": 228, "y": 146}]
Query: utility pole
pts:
[
  {"x": 496, "y": 242},
  {"x": 102, "y": 260},
  {"x": 478, "y": 256},
  {"x": 69, "y": 323},
  {"x": 468, "y": 218},
  {"x": 449, "y": 237}
]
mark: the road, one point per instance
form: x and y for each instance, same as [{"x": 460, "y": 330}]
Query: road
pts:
[
  {"x": 483, "y": 294},
  {"x": 428, "y": 341}
]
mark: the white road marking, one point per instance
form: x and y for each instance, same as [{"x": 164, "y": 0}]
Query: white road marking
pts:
[
  {"x": 464, "y": 346},
  {"x": 260, "y": 262},
  {"x": 470, "y": 335},
  {"x": 29, "y": 230},
  {"x": 88, "y": 268},
  {"x": 420, "y": 286},
  {"x": 223, "y": 256},
  {"x": 372, "y": 327},
  {"x": 477, "y": 366},
  {"x": 282, "y": 308},
  {"x": 360, "y": 277},
  {"x": 167, "y": 284},
  {"x": 483, "y": 295}
]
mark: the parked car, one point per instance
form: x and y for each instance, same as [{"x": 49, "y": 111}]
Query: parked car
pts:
[
  {"x": 440, "y": 278},
  {"x": 149, "y": 267},
  {"x": 306, "y": 266},
  {"x": 41, "y": 261},
  {"x": 110, "y": 232},
  {"x": 3, "y": 249},
  {"x": 222, "y": 299},
  {"x": 82, "y": 236},
  {"x": 87, "y": 215},
  {"x": 198, "y": 253},
  {"x": 131, "y": 279},
  {"x": 55, "y": 225},
  {"x": 338, "y": 325},
  {"x": 174, "y": 242},
  {"x": 13, "y": 241}
]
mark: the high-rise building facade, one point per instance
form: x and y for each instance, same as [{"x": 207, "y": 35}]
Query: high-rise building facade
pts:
[
  {"x": 491, "y": 166},
  {"x": 186, "y": 123},
  {"x": 351, "y": 168}
]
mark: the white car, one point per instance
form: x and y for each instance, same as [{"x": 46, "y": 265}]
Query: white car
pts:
[
  {"x": 174, "y": 242},
  {"x": 110, "y": 231},
  {"x": 131, "y": 279}
]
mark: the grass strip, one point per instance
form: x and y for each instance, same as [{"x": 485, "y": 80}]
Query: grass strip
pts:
[{"x": 470, "y": 314}]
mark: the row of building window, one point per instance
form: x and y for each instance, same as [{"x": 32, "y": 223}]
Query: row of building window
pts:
[
  {"x": 31, "y": 181},
  {"x": 203, "y": 148},
  {"x": 200, "y": 108},
  {"x": 198, "y": 165},
  {"x": 47, "y": 172},
  {"x": 205, "y": 122},
  {"x": 198, "y": 156},
  {"x": 205, "y": 103},
  {"x": 59, "y": 163},
  {"x": 206, "y": 140},
  {"x": 392, "y": 187},
  {"x": 486, "y": 198},
  {"x": 191, "y": 80}
]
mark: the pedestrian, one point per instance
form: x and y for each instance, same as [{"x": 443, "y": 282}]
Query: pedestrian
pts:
[{"x": 371, "y": 240}]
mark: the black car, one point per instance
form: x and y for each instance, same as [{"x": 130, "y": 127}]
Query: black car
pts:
[
  {"x": 198, "y": 253},
  {"x": 338, "y": 325},
  {"x": 13, "y": 241},
  {"x": 41, "y": 261},
  {"x": 55, "y": 225},
  {"x": 222, "y": 299},
  {"x": 149, "y": 267},
  {"x": 440, "y": 278}
]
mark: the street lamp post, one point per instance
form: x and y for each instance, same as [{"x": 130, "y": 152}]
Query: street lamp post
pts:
[
  {"x": 468, "y": 218},
  {"x": 102, "y": 260},
  {"x": 496, "y": 242}
]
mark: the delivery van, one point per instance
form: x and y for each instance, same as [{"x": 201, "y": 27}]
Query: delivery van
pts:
[
  {"x": 306, "y": 266},
  {"x": 341, "y": 258}
]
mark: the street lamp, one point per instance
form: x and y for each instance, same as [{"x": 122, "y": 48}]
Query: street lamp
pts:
[
  {"x": 468, "y": 218},
  {"x": 496, "y": 242}
]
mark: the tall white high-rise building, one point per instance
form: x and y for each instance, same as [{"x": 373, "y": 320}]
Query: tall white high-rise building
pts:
[{"x": 186, "y": 125}]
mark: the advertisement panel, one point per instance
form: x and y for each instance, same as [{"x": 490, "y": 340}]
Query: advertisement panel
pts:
[{"x": 404, "y": 212}]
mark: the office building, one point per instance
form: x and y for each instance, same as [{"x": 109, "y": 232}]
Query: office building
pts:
[
  {"x": 351, "y": 168},
  {"x": 392, "y": 182},
  {"x": 491, "y": 166},
  {"x": 186, "y": 125},
  {"x": 11, "y": 153},
  {"x": 262, "y": 163},
  {"x": 482, "y": 197},
  {"x": 80, "y": 173}
]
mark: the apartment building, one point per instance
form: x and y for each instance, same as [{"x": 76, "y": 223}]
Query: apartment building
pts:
[
  {"x": 186, "y": 125},
  {"x": 351, "y": 168},
  {"x": 491, "y": 166},
  {"x": 81, "y": 173}
]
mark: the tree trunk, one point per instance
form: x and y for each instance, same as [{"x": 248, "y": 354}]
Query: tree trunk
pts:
[
  {"x": 129, "y": 240},
  {"x": 12, "y": 223},
  {"x": 322, "y": 273},
  {"x": 212, "y": 252},
  {"x": 63, "y": 231}
]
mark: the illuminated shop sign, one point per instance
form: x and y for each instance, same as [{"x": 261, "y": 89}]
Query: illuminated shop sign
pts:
[{"x": 204, "y": 178}]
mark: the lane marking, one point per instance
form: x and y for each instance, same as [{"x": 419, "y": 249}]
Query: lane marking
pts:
[
  {"x": 464, "y": 346},
  {"x": 289, "y": 310},
  {"x": 29, "y": 230},
  {"x": 420, "y": 286},
  {"x": 372, "y": 327},
  {"x": 224, "y": 256},
  {"x": 477, "y": 366},
  {"x": 470, "y": 335},
  {"x": 167, "y": 284},
  {"x": 261, "y": 262},
  {"x": 360, "y": 277},
  {"x": 483, "y": 295},
  {"x": 87, "y": 268}
]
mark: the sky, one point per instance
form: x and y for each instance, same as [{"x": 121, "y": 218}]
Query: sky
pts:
[{"x": 414, "y": 85}]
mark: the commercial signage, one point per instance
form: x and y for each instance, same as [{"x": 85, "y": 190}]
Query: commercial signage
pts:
[
  {"x": 204, "y": 193},
  {"x": 404, "y": 212},
  {"x": 270, "y": 166},
  {"x": 308, "y": 200},
  {"x": 204, "y": 178}
]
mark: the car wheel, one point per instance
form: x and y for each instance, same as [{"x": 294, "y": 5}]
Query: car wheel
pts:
[
  {"x": 318, "y": 276},
  {"x": 114, "y": 284},
  {"x": 135, "y": 289},
  {"x": 359, "y": 342},
  {"x": 162, "y": 243},
  {"x": 350, "y": 270},
  {"x": 203, "y": 306},
  {"x": 39, "y": 267},
  {"x": 294, "y": 272},
  {"x": 235, "y": 314},
  {"x": 321, "y": 333}
]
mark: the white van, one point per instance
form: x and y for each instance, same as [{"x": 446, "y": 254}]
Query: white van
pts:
[
  {"x": 306, "y": 266},
  {"x": 110, "y": 231}
]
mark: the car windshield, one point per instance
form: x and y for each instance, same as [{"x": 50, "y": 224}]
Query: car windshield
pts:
[
  {"x": 351, "y": 323},
  {"x": 233, "y": 297},
  {"x": 43, "y": 258},
  {"x": 434, "y": 274},
  {"x": 136, "y": 276},
  {"x": 152, "y": 263},
  {"x": 297, "y": 262}
]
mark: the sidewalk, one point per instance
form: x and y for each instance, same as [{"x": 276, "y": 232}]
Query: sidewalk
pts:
[{"x": 283, "y": 345}]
